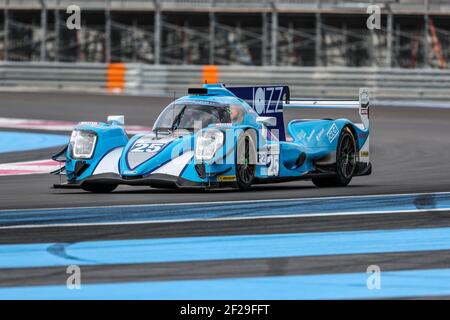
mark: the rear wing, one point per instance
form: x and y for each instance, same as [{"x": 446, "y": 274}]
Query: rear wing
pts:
[
  {"x": 270, "y": 100},
  {"x": 362, "y": 105}
]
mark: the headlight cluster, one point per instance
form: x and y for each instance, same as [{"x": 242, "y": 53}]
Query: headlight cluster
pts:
[
  {"x": 208, "y": 142},
  {"x": 82, "y": 144}
]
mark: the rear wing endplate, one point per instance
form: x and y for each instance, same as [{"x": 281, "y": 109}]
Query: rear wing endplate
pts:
[{"x": 362, "y": 105}]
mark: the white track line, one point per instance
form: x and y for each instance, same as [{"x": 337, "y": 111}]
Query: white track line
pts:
[
  {"x": 306, "y": 215},
  {"x": 234, "y": 201},
  {"x": 28, "y": 167},
  {"x": 52, "y": 125}
]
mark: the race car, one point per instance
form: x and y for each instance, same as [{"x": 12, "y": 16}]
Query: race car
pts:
[{"x": 220, "y": 136}]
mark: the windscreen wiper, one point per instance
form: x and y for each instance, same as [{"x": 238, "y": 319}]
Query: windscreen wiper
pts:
[{"x": 176, "y": 121}]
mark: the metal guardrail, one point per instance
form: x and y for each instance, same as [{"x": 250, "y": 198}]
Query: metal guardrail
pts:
[
  {"x": 396, "y": 86},
  {"x": 53, "y": 76},
  {"x": 385, "y": 84}
]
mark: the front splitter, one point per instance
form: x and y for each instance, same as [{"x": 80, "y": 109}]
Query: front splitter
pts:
[{"x": 154, "y": 181}]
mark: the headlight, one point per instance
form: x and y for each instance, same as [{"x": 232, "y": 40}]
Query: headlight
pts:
[
  {"x": 82, "y": 144},
  {"x": 207, "y": 144}
]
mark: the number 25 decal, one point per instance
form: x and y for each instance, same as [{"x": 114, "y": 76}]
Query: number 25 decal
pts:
[
  {"x": 147, "y": 147},
  {"x": 274, "y": 165}
]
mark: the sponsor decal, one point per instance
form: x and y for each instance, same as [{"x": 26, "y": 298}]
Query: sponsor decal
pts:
[
  {"x": 198, "y": 101},
  {"x": 223, "y": 124},
  {"x": 260, "y": 100},
  {"x": 364, "y": 153},
  {"x": 88, "y": 123},
  {"x": 301, "y": 135},
  {"x": 319, "y": 135},
  {"x": 129, "y": 172},
  {"x": 332, "y": 133},
  {"x": 262, "y": 158},
  {"x": 268, "y": 104},
  {"x": 269, "y": 156},
  {"x": 311, "y": 135},
  {"x": 226, "y": 178},
  {"x": 147, "y": 147}
]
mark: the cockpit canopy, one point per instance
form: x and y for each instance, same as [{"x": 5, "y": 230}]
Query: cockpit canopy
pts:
[{"x": 192, "y": 117}]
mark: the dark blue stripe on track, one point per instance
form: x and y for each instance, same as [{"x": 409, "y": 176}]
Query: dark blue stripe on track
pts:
[{"x": 247, "y": 209}]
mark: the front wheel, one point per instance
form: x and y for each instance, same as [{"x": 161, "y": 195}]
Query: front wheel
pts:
[
  {"x": 346, "y": 158},
  {"x": 245, "y": 161},
  {"x": 99, "y": 188}
]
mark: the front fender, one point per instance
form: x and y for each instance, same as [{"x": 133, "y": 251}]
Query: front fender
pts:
[{"x": 110, "y": 138}]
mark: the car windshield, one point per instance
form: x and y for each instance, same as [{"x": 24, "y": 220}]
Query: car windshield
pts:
[{"x": 192, "y": 116}]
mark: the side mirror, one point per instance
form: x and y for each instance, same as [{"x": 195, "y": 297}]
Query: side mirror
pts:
[
  {"x": 364, "y": 96},
  {"x": 118, "y": 120},
  {"x": 267, "y": 121}
]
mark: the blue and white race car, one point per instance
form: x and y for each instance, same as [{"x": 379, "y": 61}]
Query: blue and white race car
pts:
[{"x": 220, "y": 136}]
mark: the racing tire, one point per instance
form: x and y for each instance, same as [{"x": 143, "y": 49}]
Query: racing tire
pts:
[
  {"x": 346, "y": 162},
  {"x": 245, "y": 160},
  {"x": 99, "y": 188}
]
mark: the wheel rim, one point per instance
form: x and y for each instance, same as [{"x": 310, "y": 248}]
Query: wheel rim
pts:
[
  {"x": 246, "y": 170},
  {"x": 347, "y": 156}
]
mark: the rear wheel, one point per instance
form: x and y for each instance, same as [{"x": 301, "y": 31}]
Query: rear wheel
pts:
[
  {"x": 245, "y": 161},
  {"x": 99, "y": 188},
  {"x": 346, "y": 158}
]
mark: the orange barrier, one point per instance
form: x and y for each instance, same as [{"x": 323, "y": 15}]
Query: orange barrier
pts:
[
  {"x": 115, "y": 77},
  {"x": 210, "y": 74}
]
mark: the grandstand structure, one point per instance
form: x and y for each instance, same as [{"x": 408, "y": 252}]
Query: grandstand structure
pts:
[{"x": 413, "y": 34}]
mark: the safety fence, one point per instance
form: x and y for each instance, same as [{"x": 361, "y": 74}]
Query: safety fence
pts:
[
  {"x": 418, "y": 86},
  {"x": 410, "y": 33}
]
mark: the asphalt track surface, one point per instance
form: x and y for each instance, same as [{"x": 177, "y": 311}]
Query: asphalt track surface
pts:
[{"x": 409, "y": 153}]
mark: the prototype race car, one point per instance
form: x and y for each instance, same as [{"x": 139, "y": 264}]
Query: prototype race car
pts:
[{"x": 220, "y": 136}]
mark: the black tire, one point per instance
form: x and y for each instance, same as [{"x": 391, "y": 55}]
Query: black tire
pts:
[
  {"x": 99, "y": 188},
  {"x": 346, "y": 160},
  {"x": 245, "y": 160}
]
